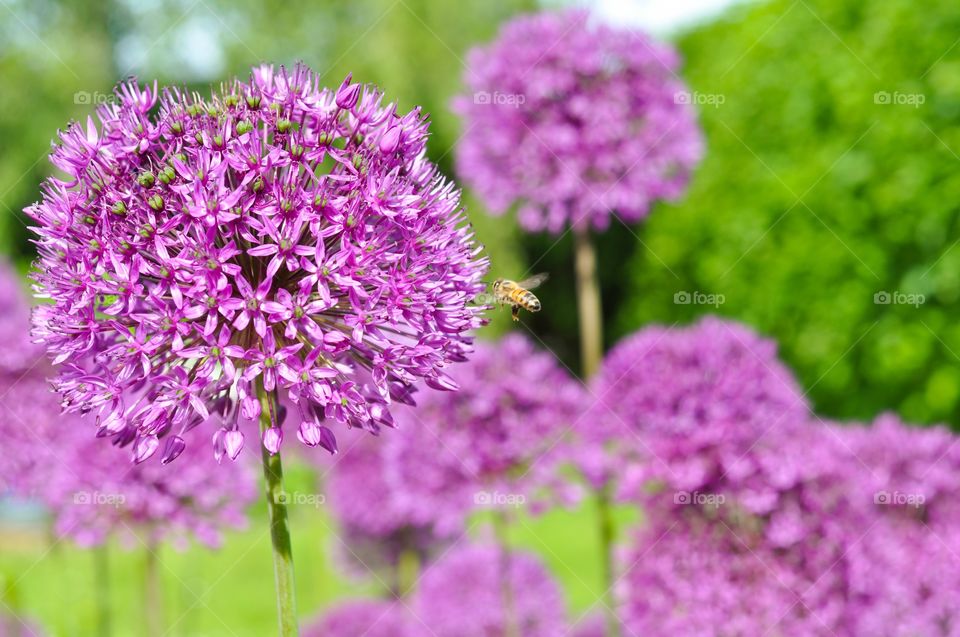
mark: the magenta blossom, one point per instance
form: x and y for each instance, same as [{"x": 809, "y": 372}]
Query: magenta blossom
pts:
[
  {"x": 274, "y": 237},
  {"x": 686, "y": 406},
  {"x": 463, "y": 595},
  {"x": 493, "y": 444},
  {"x": 367, "y": 618},
  {"x": 378, "y": 527},
  {"x": 575, "y": 122},
  {"x": 93, "y": 494},
  {"x": 17, "y": 353},
  {"x": 691, "y": 577},
  {"x": 850, "y": 533}
]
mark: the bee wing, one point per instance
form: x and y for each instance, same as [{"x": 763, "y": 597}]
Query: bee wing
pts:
[{"x": 534, "y": 281}]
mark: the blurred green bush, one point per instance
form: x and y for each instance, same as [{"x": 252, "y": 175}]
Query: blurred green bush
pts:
[{"x": 832, "y": 177}]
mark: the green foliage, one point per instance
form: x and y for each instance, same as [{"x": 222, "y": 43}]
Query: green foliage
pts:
[
  {"x": 823, "y": 186},
  {"x": 50, "y": 62}
]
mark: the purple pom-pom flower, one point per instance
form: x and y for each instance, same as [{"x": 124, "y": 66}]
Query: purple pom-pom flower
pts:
[
  {"x": 575, "y": 122},
  {"x": 276, "y": 237},
  {"x": 462, "y": 595},
  {"x": 370, "y": 618}
]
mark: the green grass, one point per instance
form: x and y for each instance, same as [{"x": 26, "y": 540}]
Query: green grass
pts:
[{"x": 229, "y": 592}]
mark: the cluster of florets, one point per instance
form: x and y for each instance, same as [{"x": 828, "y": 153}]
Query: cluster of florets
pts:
[
  {"x": 577, "y": 122},
  {"x": 490, "y": 445},
  {"x": 858, "y": 543},
  {"x": 275, "y": 239},
  {"x": 461, "y": 595},
  {"x": 687, "y": 407},
  {"x": 93, "y": 494}
]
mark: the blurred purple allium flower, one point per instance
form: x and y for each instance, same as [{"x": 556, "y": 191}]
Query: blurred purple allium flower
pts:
[
  {"x": 575, "y": 122},
  {"x": 462, "y": 595},
  {"x": 82, "y": 479},
  {"x": 834, "y": 530},
  {"x": 907, "y": 462},
  {"x": 686, "y": 406},
  {"x": 16, "y": 626},
  {"x": 693, "y": 577},
  {"x": 17, "y": 353},
  {"x": 366, "y": 618},
  {"x": 276, "y": 234},
  {"x": 378, "y": 528},
  {"x": 488, "y": 445},
  {"x": 498, "y": 436},
  {"x": 905, "y": 570},
  {"x": 93, "y": 493}
]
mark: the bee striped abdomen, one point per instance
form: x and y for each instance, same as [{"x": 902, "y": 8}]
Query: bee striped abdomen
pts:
[{"x": 525, "y": 299}]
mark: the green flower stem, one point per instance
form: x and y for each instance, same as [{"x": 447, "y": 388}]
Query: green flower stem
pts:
[
  {"x": 588, "y": 303},
  {"x": 511, "y": 625},
  {"x": 408, "y": 570},
  {"x": 607, "y": 538},
  {"x": 279, "y": 527},
  {"x": 590, "y": 313}
]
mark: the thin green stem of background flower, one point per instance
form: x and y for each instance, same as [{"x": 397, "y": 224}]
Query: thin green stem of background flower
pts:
[{"x": 590, "y": 315}]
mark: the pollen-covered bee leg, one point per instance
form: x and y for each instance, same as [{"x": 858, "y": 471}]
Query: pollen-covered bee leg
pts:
[{"x": 515, "y": 312}]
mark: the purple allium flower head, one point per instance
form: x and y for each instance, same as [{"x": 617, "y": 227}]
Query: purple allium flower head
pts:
[
  {"x": 378, "y": 527},
  {"x": 690, "y": 577},
  {"x": 276, "y": 234},
  {"x": 575, "y": 122},
  {"x": 687, "y": 404},
  {"x": 462, "y": 595},
  {"x": 844, "y": 544},
  {"x": 489, "y": 444},
  {"x": 367, "y": 618},
  {"x": 493, "y": 440},
  {"x": 93, "y": 493},
  {"x": 17, "y": 353},
  {"x": 27, "y": 407},
  {"x": 910, "y": 462},
  {"x": 904, "y": 571}
]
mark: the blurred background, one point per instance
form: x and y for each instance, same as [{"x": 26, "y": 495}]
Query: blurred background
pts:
[{"x": 825, "y": 214}]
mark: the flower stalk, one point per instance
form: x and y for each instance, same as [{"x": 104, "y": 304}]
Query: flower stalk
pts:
[
  {"x": 511, "y": 626},
  {"x": 279, "y": 527},
  {"x": 591, "y": 353},
  {"x": 588, "y": 302}
]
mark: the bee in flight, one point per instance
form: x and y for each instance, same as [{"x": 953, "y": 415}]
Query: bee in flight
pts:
[{"x": 517, "y": 294}]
